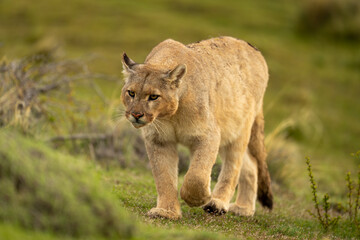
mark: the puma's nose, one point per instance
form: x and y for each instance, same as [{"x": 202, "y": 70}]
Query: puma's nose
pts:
[{"x": 137, "y": 115}]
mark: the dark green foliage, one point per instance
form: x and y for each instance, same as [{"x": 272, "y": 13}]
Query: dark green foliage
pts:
[
  {"x": 334, "y": 18},
  {"x": 46, "y": 190}
]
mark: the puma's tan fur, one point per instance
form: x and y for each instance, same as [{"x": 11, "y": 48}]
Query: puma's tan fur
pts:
[{"x": 207, "y": 96}]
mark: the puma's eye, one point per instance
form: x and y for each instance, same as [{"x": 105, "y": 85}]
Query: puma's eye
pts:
[
  {"x": 131, "y": 93},
  {"x": 153, "y": 97}
]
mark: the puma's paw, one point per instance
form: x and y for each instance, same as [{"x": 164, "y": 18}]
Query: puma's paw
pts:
[
  {"x": 194, "y": 200},
  {"x": 163, "y": 213},
  {"x": 216, "y": 207},
  {"x": 195, "y": 192},
  {"x": 241, "y": 211}
]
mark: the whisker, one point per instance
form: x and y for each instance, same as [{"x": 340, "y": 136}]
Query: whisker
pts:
[
  {"x": 159, "y": 127},
  {"x": 118, "y": 122},
  {"x": 157, "y": 124},
  {"x": 156, "y": 128},
  {"x": 118, "y": 114},
  {"x": 171, "y": 120},
  {"x": 158, "y": 121},
  {"x": 119, "y": 111}
]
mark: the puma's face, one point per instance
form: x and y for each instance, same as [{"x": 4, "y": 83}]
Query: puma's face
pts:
[
  {"x": 147, "y": 96},
  {"x": 149, "y": 93}
]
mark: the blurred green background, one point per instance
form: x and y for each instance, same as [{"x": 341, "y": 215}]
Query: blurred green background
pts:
[{"x": 312, "y": 48}]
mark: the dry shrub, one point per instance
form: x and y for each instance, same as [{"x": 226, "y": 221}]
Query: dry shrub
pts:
[
  {"x": 38, "y": 95},
  {"x": 111, "y": 148},
  {"x": 285, "y": 158},
  {"x": 336, "y": 18},
  {"x": 37, "y": 90}
]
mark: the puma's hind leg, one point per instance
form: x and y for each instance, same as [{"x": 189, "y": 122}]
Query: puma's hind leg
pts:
[
  {"x": 247, "y": 188},
  {"x": 232, "y": 156}
]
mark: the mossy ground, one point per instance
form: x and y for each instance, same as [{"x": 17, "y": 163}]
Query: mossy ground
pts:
[{"x": 50, "y": 195}]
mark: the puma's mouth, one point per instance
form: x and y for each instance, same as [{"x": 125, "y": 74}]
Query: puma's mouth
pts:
[{"x": 138, "y": 124}]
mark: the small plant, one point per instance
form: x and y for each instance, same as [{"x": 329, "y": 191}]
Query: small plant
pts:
[
  {"x": 325, "y": 219},
  {"x": 357, "y": 197},
  {"x": 350, "y": 185},
  {"x": 322, "y": 215}
]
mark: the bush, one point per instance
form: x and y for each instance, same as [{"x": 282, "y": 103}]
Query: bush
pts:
[
  {"x": 36, "y": 89},
  {"x": 45, "y": 190},
  {"x": 335, "y": 18}
]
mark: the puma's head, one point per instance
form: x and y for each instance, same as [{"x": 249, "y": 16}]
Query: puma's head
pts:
[{"x": 149, "y": 92}]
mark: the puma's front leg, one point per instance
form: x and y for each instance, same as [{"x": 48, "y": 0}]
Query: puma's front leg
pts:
[
  {"x": 164, "y": 165},
  {"x": 195, "y": 190}
]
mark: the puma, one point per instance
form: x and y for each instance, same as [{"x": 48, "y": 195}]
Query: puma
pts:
[{"x": 207, "y": 96}]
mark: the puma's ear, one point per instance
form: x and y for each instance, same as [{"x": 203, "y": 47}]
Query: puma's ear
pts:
[
  {"x": 175, "y": 75},
  {"x": 128, "y": 64}
]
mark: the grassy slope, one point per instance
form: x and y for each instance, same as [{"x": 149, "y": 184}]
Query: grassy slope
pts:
[
  {"x": 8, "y": 231},
  {"x": 45, "y": 194},
  {"x": 43, "y": 189}
]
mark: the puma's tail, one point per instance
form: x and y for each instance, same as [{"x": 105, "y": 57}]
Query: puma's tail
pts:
[{"x": 257, "y": 150}]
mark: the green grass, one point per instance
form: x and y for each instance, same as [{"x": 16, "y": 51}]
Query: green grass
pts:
[
  {"x": 289, "y": 219},
  {"x": 10, "y": 231}
]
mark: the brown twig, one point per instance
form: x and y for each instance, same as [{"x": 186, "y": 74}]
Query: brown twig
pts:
[{"x": 81, "y": 136}]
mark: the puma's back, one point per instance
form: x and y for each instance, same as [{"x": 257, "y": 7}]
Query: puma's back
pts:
[{"x": 225, "y": 76}]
